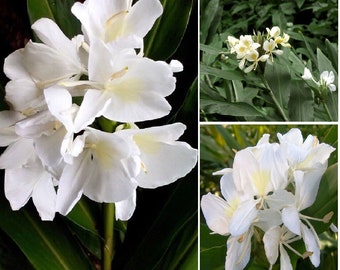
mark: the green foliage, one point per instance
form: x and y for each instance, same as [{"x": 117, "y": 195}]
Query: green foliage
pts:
[
  {"x": 219, "y": 143},
  {"x": 229, "y": 94}
]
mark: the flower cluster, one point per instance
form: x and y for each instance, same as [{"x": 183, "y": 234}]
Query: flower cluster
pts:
[
  {"x": 60, "y": 93},
  {"x": 251, "y": 50},
  {"x": 322, "y": 87},
  {"x": 265, "y": 192}
]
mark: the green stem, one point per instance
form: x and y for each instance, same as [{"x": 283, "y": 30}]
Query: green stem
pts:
[
  {"x": 327, "y": 111},
  {"x": 277, "y": 104},
  {"x": 108, "y": 247}
]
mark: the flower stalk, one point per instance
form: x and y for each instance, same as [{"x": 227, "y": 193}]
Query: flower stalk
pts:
[
  {"x": 108, "y": 246},
  {"x": 276, "y": 102}
]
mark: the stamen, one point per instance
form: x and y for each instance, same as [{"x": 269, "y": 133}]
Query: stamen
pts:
[
  {"x": 144, "y": 167},
  {"x": 292, "y": 249},
  {"x": 119, "y": 74},
  {"x": 115, "y": 17}
]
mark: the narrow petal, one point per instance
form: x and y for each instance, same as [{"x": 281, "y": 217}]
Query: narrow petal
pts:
[
  {"x": 312, "y": 244},
  {"x": 93, "y": 105},
  {"x": 228, "y": 188},
  {"x": 72, "y": 182},
  {"x": 285, "y": 263},
  {"x": 238, "y": 251},
  {"x": 214, "y": 209},
  {"x": 271, "y": 241}
]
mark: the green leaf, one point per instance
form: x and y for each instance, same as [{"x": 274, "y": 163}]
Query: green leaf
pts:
[
  {"x": 301, "y": 102},
  {"x": 59, "y": 11},
  {"x": 85, "y": 217},
  {"x": 229, "y": 108},
  {"x": 224, "y": 74},
  {"x": 47, "y": 245},
  {"x": 278, "y": 78},
  {"x": 209, "y": 12},
  {"x": 324, "y": 64},
  {"x": 333, "y": 53},
  {"x": 164, "y": 38},
  {"x": 213, "y": 249}
]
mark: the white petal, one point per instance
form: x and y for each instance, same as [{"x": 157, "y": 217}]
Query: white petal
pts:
[
  {"x": 143, "y": 15},
  {"x": 36, "y": 125},
  {"x": 124, "y": 209},
  {"x": 160, "y": 160},
  {"x": 243, "y": 217},
  {"x": 280, "y": 199},
  {"x": 214, "y": 209},
  {"x": 59, "y": 102},
  {"x": 38, "y": 58},
  {"x": 93, "y": 105},
  {"x": 228, "y": 188},
  {"x": 17, "y": 154},
  {"x": 138, "y": 98},
  {"x": 19, "y": 184},
  {"x": 176, "y": 66},
  {"x": 268, "y": 218},
  {"x": 72, "y": 182},
  {"x": 271, "y": 240},
  {"x": 238, "y": 252},
  {"x": 50, "y": 34},
  {"x": 291, "y": 220},
  {"x": 307, "y": 186},
  {"x": 14, "y": 67},
  {"x": 285, "y": 263},
  {"x": 24, "y": 95},
  {"x": 44, "y": 196},
  {"x": 312, "y": 244},
  {"x": 110, "y": 182}
]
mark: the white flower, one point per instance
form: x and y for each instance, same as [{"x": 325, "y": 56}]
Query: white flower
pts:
[
  {"x": 309, "y": 156},
  {"x": 274, "y": 31},
  {"x": 124, "y": 87},
  {"x": 117, "y": 20},
  {"x": 270, "y": 47},
  {"x": 40, "y": 65},
  {"x": 327, "y": 79},
  {"x": 253, "y": 56},
  {"x": 103, "y": 171},
  {"x": 275, "y": 240},
  {"x": 25, "y": 178}
]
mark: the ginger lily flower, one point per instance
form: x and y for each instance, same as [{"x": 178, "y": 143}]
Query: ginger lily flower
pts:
[
  {"x": 327, "y": 79},
  {"x": 102, "y": 171},
  {"x": 40, "y": 65},
  {"x": 124, "y": 87}
]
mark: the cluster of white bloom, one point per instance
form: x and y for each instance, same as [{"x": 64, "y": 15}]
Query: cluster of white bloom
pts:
[
  {"x": 257, "y": 48},
  {"x": 57, "y": 91},
  {"x": 265, "y": 191}
]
